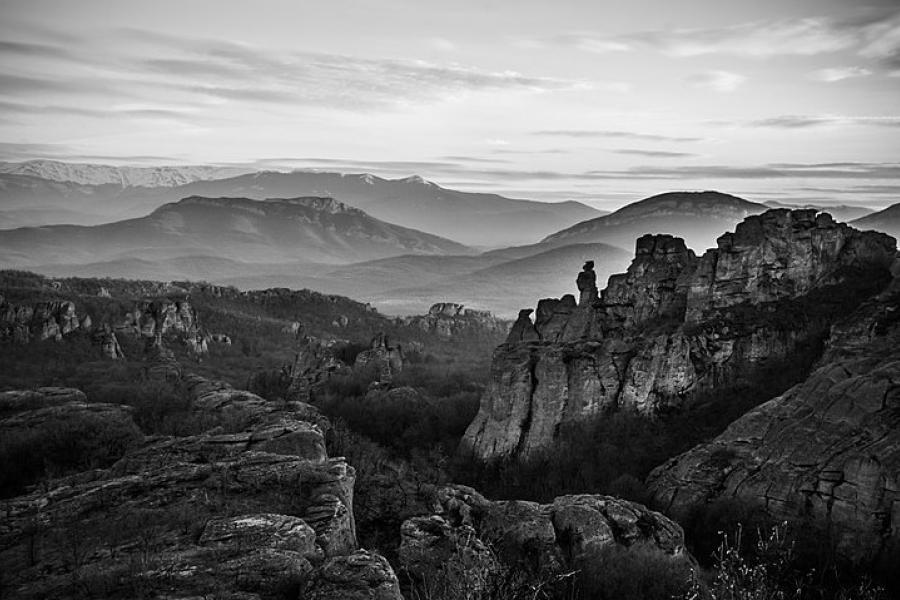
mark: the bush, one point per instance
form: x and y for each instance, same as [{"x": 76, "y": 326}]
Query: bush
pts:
[{"x": 62, "y": 445}]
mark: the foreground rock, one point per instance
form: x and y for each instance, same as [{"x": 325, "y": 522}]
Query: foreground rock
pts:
[
  {"x": 260, "y": 512},
  {"x": 826, "y": 452},
  {"x": 675, "y": 326},
  {"x": 544, "y": 539}
]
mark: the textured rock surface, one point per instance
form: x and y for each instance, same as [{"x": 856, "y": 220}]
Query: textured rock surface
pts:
[
  {"x": 672, "y": 327},
  {"x": 358, "y": 576},
  {"x": 543, "y": 537},
  {"x": 255, "y": 513},
  {"x": 49, "y": 320},
  {"x": 385, "y": 359},
  {"x": 828, "y": 450}
]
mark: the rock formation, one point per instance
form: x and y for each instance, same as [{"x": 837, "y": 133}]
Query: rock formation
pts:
[
  {"x": 671, "y": 327},
  {"x": 826, "y": 452},
  {"x": 385, "y": 359},
  {"x": 543, "y": 538},
  {"x": 448, "y": 320},
  {"x": 247, "y": 514},
  {"x": 47, "y": 320}
]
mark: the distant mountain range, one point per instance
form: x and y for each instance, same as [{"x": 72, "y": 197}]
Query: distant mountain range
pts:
[
  {"x": 310, "y": 230},
  {"x": 329, "y": 245},
  {"x": 89, "y": 174},
  {"x": 37, "y": 196}
]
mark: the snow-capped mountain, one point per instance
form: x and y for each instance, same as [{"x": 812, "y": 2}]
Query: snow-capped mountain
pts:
[{"x": 91, "y": 174}]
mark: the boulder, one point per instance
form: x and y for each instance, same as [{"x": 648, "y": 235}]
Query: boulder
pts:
[{"x": 359, "y": 576}]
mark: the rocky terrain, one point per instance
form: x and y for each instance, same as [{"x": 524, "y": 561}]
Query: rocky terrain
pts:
[
  {"x": 826, "y": 452},
  {"x": 675, "y": 326},
  {"x": 250, "y": 511}
]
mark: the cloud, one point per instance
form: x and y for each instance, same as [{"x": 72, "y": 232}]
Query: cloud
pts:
[
  {"x": 719, "y": 81},
  {"x": 654, "y": 153},
  {"x": 199, "y": 69},
  {"x": 874, "y": 35},
  {"x": 834, "y": 74},
  {"x": 613, "y": 134},
  {"x": 806, "y": 121},
  {"x": 32, "y": 49}
]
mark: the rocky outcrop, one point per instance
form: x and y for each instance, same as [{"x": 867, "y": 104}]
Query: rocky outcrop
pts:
[
  {"x": 448, "y": 320},
  {"x": 543, "y": 538},
  {"x": 826, "y": 452},
  {"x": 383, "y": 358},
  {"x": 254, "y": 507},
  {"x": 48, "y": 320},
  {"x": 22, "y": 400},
  {"x": 674, "y": 326},
  {"x": 314, "y": 363},
  {"x": 359, "y": 576}
]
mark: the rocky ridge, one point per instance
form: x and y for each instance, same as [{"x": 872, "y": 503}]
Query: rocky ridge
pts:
[
  {"x": 673, "y": 326},
  {"x": 826, "y": 452}
]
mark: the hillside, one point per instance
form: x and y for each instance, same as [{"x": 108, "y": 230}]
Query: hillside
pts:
[
  {"x": 887, "y": 220},
  {"x": 697, "y": 217},
  {"x": 307, "y": 229}
]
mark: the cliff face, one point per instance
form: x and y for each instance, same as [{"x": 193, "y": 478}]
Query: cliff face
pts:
[
  {"x": 671, "y": 327},
  {"x": 827, "y": 451}
]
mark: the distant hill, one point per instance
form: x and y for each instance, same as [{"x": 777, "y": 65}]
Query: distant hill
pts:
[
  {"x": 32, "y": 196},
  {"x": 841, "y": 212},
  {"x": 698, "y": 217},
  {"x": 887, "y": 220},
  {"x": 295, "y": 230}
]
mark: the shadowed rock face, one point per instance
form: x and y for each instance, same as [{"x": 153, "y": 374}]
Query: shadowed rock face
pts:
[
  {"x": 828, "y": 450},
  {"x": 671, "y": 327}
]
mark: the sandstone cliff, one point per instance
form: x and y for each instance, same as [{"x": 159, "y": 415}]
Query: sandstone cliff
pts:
[
  {"x": 826, "y": 452},
  {"x": 674, "y": 326}
]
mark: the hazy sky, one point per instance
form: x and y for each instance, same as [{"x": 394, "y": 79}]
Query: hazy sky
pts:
[{"x": 592, "y": 100}]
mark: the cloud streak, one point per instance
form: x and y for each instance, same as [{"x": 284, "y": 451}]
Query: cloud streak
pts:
[
  {"x": 874, "y": 35},
  {"x": 614, "y": 134}
]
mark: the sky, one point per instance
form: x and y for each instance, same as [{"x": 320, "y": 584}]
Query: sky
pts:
[{"x": 597, "y": 101}]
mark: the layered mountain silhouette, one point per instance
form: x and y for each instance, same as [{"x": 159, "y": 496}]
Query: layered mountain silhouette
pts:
[
  {"x": 887, "y": 220},
  {"x": 305, "y": 229},
  {"x": 469, "y": 218},
  {"x": 697, "y": 217}
]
